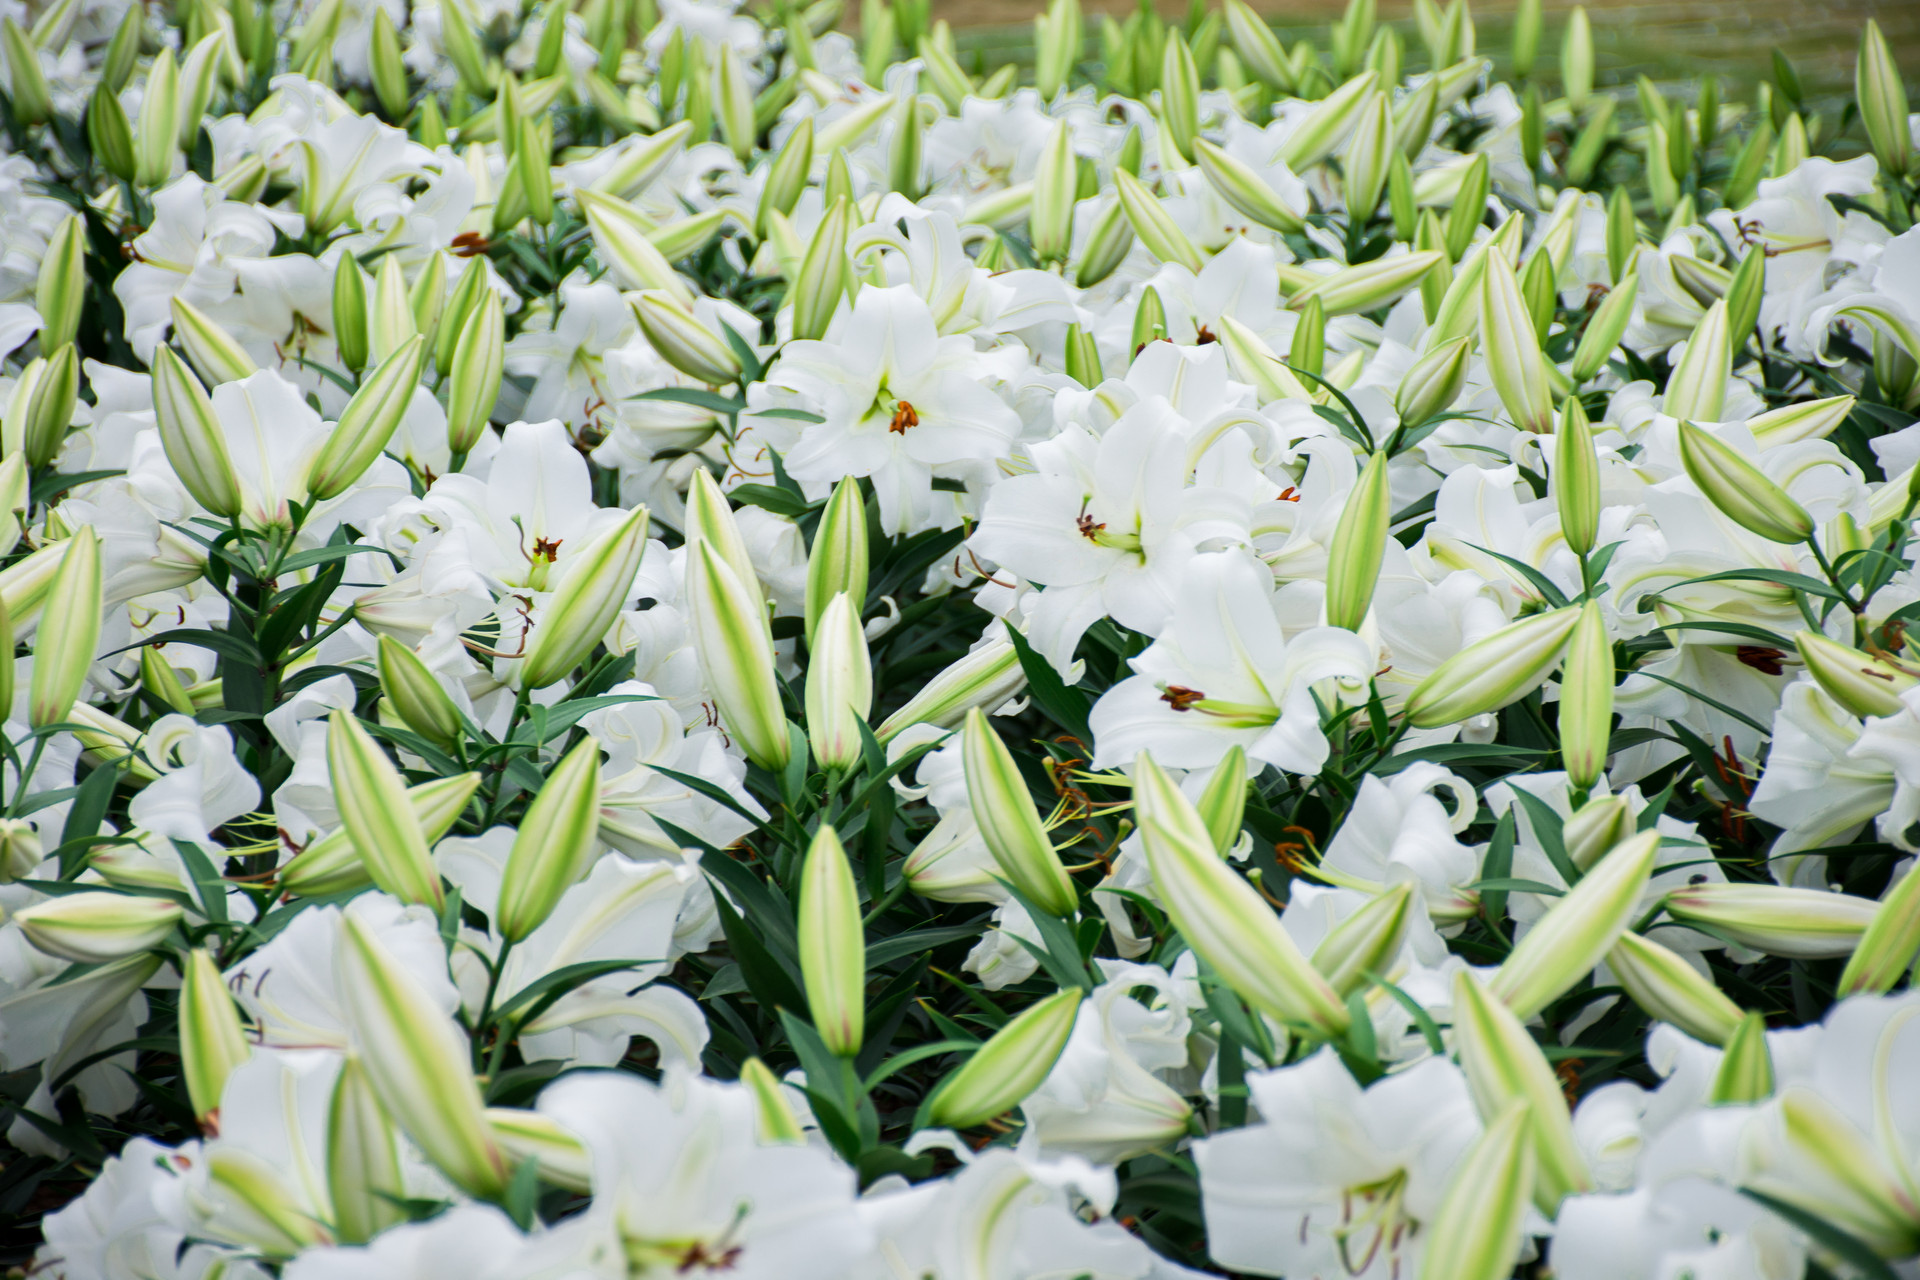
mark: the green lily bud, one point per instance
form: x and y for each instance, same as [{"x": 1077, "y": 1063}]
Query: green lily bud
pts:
[
  {"x": 32, "y": 100},
  {"x": 778, "y": 1125},
  {"x": 1222, "y": 917},
  {"x": 1704, "y": 282},
  {"x": 157, "y": 675},
  {"x": 620, "y": 239},
  {"x": 1369, "y": 150},
  {"x": 350, "y": 313},
  {"x": 1883, "y": 101},
  {"x": 462, "y": 45},
  {"x": 1604, "y": 330},
  {"x": 417, "y": 1060},
  {"x": 1107, "y": 244},
  {"x": 1864, "y": 685},
  {"x": 710, "y": 520},
  {"x": 1577, "y": 931},
  {"x": 1439, "y": 283},
  {"x": 1149, "y": 320},
  {"x": 839, "y": 685},
  {"x": 787, "y": 174},
  {"x": 1083, "y": 357},
  {"x": 1259, "y": 48},
  {"x": 1798, "y": 923},
  {"x": 363, "y": 1160},
  {"x": 48, "y": 411},
  {"x": 528, "y": 1135},
  {"x": 1741, "y": 491},
  {"x": 379, "y": 819},
  {"x": 1698, "y": 386},
  {"x": 1359, "y": 545},
  {"x": 1366, "y": 941},
  {"x": 1316, "y": 136},
  {"x": 731, "y": 638},
  {"x": 1009, "y": 1066},
  {"x": 986, "y": 678},
  {"x": 416, "y": 695},
  {"x": 13, "y": 510},
  {"x": 1469, "y": 206},
  {"x": 1154, "y": 225},
  {"x": 1503, "y": 1064},
  {"x": 1004, "y": 811},
  {"x": 1252, "y": 361},
  {"x": 1746, "y": 1065},
  {"x": 211, "y": 349},
  {"x": 905, "y": 155},
  {"x": 1540, "y": 292},
  {"x": 388, "y": 70},
  {"x": 1592, "y": 140},
  {"x": 1743, "y": 297},
  {"x": 555, "y": 845},
  {"x": 837, "y": 561},
  {"x": 734, "y": 98},
  {"x": 1576, "y": 59},
  {"x": 1586, "y": 699},
  {"x": 1180, "y": 95},
  {"x": 1059, "y": 47},
  {"x": 1887, "y": 948},
  {"x": 1526, "y": 37},
  {"x": 159, "y": 112},
  {"x": 833, "y": 945},
  {"x": 597, "y": 586},
  {"x": 1512, "y": 349},
  {"x": 332, "y": 864},
  {"x": 1596, "y": 827},
  {"x": 1478, "y": 1229},
  {"x": 1367, "y": 287},
  {"x": 952, "y": 84},
  {"x": 110, "y": 133},
  {"x": 389, "y": 312},
  {"x": 531, "y": 165},
  {"x": 1308, "y": 351},
  {"x": 682, "y": 341},
  {"x": 1576, "y": 478},
  {"x": 823, "y": 273},
  {"x": 1749, "y": 166},
  {"x": 1668, "y": 988},
  {"x": 1050, "y": 218},
  {"x": 684, "y": 237},
  {"x": 473, "y": 381},
  {"x": 62, "y": 284},
  {"x": 368, "y": 422},
  {"x": 468, "y": 293},
  {"x": 212, "y": 1041},
  {"x": 69, "y": 631},
  {"x": 1401, "y": 206},
  {"x": 123, "y": 51},
  {"x": 20, "y": 849},
  {"x": 1492, "y": 672},
  {"x": 95, "y": 927},
  {"x": 1434, "y": 382},
  {"x": 1223, "y": 805},
  {"x": 642, "y": 162}
]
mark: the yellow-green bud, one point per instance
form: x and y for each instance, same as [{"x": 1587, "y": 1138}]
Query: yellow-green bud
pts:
[
  {"x": 554, "y": 848},
  {"x": 1359, "y": 545},
  {"x": 1107, "y": 244},
  {"x": 195, "y": 446},
  {"x": 682, "y": 341},
  {"x": 1492, "y": 672},
  {"x": 49, "y": 408},
  {"x": 1577, "y": 931},
  {"x": 620, "y": 239},
  {"x": 839, "y": 693},
  {"x": 63, "y": 647},
  {"x": 1009, "y": 1066},
  {"x": 1512, "y": 348},
  {"x": 332, "y": 864},
  {"x": 1741, "y": 491},
  {"x": 1664, "y": 985},
  {"x": 1240, "y": 186},
  {"x": 1004, "y": 811},
  {"x": 110, "y": 133},
  {"x": 1154, "y": 225},
  {"x": 1055, "y": 181},
  {"x": 32, "y": 100},
  {"x": 1367, "y": 287},
  {"x": 1803, "y": 924},
  {"x": 363, "y": 1159},
  {"x": 212, "y": 1041},
  {"x": 154, "y": 147},
  {"x": 596, "y": 587},
  {"x": 350, "y": 313},
  {"x": 833, "y": 945},
  {"x": 1586, "y": 699},
  {"x": 1179, "y": 95},
  {"x": 787, "y": 174},
  {"x": 1697, "y": 388},
  {"x": 97, "y": 926},
  {"x": 377, "y": 815},
  {"x": 1316, "y": 136},
  {"x": 1366, "y": 941},
  {"x": 1259, "y": 48},
  {"x": 1433, "y": 383},
  {"x": 1604, "y": 329},
  {"x": 1883, "y": 101},
  {"x": 1576, "y": 59},
  {"x": 1746, "y": 1065},
  {"x": 212, "y": 351},
  {"x": 62, "y": 285},
  {"x": 473, "y": 380},
  {"x": 416, "y": 695},
  {"x": 1863, "y": 684},
  {"x": 368, "y": 422},
  {"x": 985, "y": 678},
  {"x": 388, "y": 70},
  {"x": 736, "y": 652},
  {"x": 1223, "y": 805},
  {"x": 1364, "y": 168},
  {"x": 1478, "y": 1227}
]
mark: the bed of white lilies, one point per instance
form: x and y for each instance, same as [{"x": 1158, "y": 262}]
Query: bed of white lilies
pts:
[{"x": 646, "y": 641}]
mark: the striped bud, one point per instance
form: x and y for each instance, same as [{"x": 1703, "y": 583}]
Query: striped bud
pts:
[
  {"x": 1666, "y": 987},
  {"x": 416, "y": 695},
  {"x": 620, "y": 239},
  {"x": 1863, "y": 684},
  {"x": 1240, "y": 186},
  {"x": 110, "y": 133},
  {"x": 1050, "y": 217},
  {"x": 1179, "y": 95},
  {"x": 1009, "y": 1066},
  {"x": 786, "y": 174},
  {"x": 473, "y": 380},
  {"x": 1746, "y": 1065},
  {"x": 26, "y": 82},
  {"x": 367, "y": 423},
  {"x": 839, "y": 693},
  {"x": 1367, "y": 287},
  {"x": 350, "y": 313},
  {"x": 98, "y": 926},
  {"x": 555, "y": 846},
  {"x": 837, "y": 561},
  {"x": 733, "y": 97},
  {"x": 377, "y": 815},
  {"x": 1492, "y": 672},
  {"x": 386, "y": 68},
  {"x": 823, "y": 273},
  {"x": 1314, "y": 138},
  {"x": 363, "y": 1159},
  {"x": 389, "y": 311},
  {"x": 1887, "y": 948},
  {"x": 1223, "y": 805},
  {"x": 1883, "y": 101},
  {"x": 1576, "y": 60},
  {"x": 1740, "y": 490},
  {"x": 1366, "y": 941},
  {"x": 1577, "y": 931},
  {"x": 1800, "y": 924},
  {"x": 332, "y": 864},
  {"x": 1697, "y": 388},
  {"x": 1259, "y": 48},
  {"x": 63, "y": 647},
  {"x": 1154, "y": 225},
  {"x": 1004, "y": 811},
  {"x": 1513, "y": 348},
  {"x": 1252, "y": 361},
  {"x": 62, "y": 284},
  {"x": 1364, "y": 168},
  {"x": 1469, "y": 206},
  {"x": 833, "y": 945},
  {"x": 1083, "y": 357},
  {"x": 1604, "y": 330},
  {"x": 1434, "y": 382},
  {"x": 987, "y": 677},
  {"x": 1586, "y": 699},
  {"x": 736, "y": 652},
  {"x": 211, "y": 350},
  {"x": 48, "y": 411},
  {"x": 597, "y": 585},
  {"x": 1107, "y": 244},
  {"x": 212, "y": 1041},
  {"x": 1359, "y": 546},
  {"x": 154, "y": 147},
  {"x": 1479, "y": 1226},
  {"x": 682, "y": 341}
]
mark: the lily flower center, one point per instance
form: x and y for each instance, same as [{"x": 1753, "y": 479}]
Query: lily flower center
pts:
[
  {"x": 904, "y": 416},
  {"x": 1373, "y": 1217}
]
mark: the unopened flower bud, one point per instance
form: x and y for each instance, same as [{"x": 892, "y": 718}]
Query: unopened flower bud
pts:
[
  {"x": 597, "y": 585},
  {"x": 1666, "y": 987},
  {"x": 823, "y": 273},
  {"x": 63, "y": 647},
  {"x": 97, "y": 926},
  {"x": 1801, "y": 924},
  {"x": 154, "y": 147},
  {"x": 1746, "y": 1065},
  {"x": 1882, "y": 96},
  {"x": 32, "y": 100},
  {"x": 1887, "y": 948},
  {"x": 620, "y": 237},
  {"x": 985, "y": 678},
  {"x": 1108, "y": 242},
  {"x": 1154, "y": 225},
  {"x": 837, "y": 560},
  {"x": 682, "y": 341},
  {"x": 20, "y": 850},
  {"x": 554, "y": 848},
  {"x": 1697, "y": 388},
  {"x": 1433, "y": 383},
  {"x": 1009, "y": 1066},
  {"x": 350, "y": 313},
  {"x": 1240, "y": 186},
  {"x": 416, "y": 695},
  {"x": 332, "y": 864},
  {"x": 1252, "y": 361},
  {"x": 1512, "y": 348},
  {"x": 1314, "y": 138},
  {"x": 1479, "y": 1226},
  {"x": 787, "y": 174},
  {"x": 1366, "y": 941},
  {"x": 1586, "y": 699},
  {"x": 1359, "y": 545},
  {"x": 363, "y": 1159},
  {"x": 736, "y": 652},
  {"x": 1604, "y": 330},
  {"x": 833, "y": 946},
  {"x": 1367, "y": 287},
  {"x": 48, "y": 411},
  {"x": 1742, "y": 492},
  {"x": 1576, "y": 59},
  {"x": 377, "y": 815},
  {"x": 839, "y": 693},
  {"x": 1492, "y": 672},
  {"x": 1223, "y": 805},
  {"x": 62, "y": 284},
  {"x": 1004, "y": 810},
  {"x": 212, "y": 1041},
  {"x": 1179, "y": 95},
  {"x": 1596, "y": 827},
  {"x": 1083, "y": 357},
  {"x": 473, "y": 380},
  {"x": 110, "y": 133},
  {"x": 1050, "y": 217},
  {"x": 1863, "y": 684},
  {"x": 1365, "y": 168},
  {"x": 1806, "y": 420},
  {"x": 195, "y": 446},
  {"x": 211, "y": 349},
  {"x": 368, "y": 422},
  {"x": 1578, "y": 930},
  {"x": 1259, "y": 48}
]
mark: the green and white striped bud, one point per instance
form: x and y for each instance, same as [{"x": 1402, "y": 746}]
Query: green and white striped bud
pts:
[
  {"x": 110, "y": 133},
  {"x": 1477, "y": 1231},
  {"x": 833, "y": 945},
  {"x": 1800, "y": 924},
  {"x": 368, "y": 422},
  {"x": 1057, "y": 47},
  {"x": 1364, "y": 168},
  {"x": 332, "y": 864},
  {"x": 63, "y": 647},
  {"x": 1366, "y": 941},
  {"x": 1179, "y": 95},
  {"x": 1359, "y": 545},
  {"x": 389, "y": 311},
  {"x": 1107, "y": 244},
  {"x": 527, "y": 1135},
  {"x": 1807, "y": 420},
  {"x": 1697, "y": 388},
  {"x": 468, "y": 292},
  {"x": 473, "y": 380},
  {"x": 839, "y": 685},
  {"x": 710, "y": 520},
  {"x": 987, "y": 677},
  {"x": 1222, "y": 917},
  {"x": 97, "y": 926},
  {"x": 682, "y": 341},
  {"x": 1887, "y": 948},
  {"x": 1503, "y": 1063},
  {"x": 1149, "y": 320},
  {"x": 1154, "y": 225},
  {"x": 1586, "y": 699},
  {"x": 1746, "y": 1065},
  {"x": 21, "y": 850},
  {"x": 211, "y": 350},
  {"x": 1526, "y": 37},
  {"x": 1595, "y": 828},
  {"x": 555, "y": 845},
  {"x": 1512, "y": 348},
  {"x": 1315, "y": 137},
  {"x": 1240, "y": 186},
  {"x": 417, "y": 1060},
  {"x": 1083, "y": 357},
  {"x": 837, "y": 561},
  {"x": 1577, "y": 931},
  {"x": 786, "y": 175},
  {"x": 1223, "y": 805},
  {"x": 1839, "y": 1174},
  {"x": 533, "y": 168},
  {"x": 350, "y": 313},
  {"x": 906, "y": 159},
  {"x": 1434, "y": 382},
  {"x": 1741, "y": 491},
  {"x": 377, "y": 815},
  {"x": 597, "y": 586},
  {"x": 1469, "y": 206},
  {"x": 620, "y": 237},
  {"x": 1252, "y": 361},
  {"x": 1492, "y": 672},
  {"x": 733, "y": 96},
  {"x": 387, "y": 66},
  {"x": 416, "y": 695},
  {"x": 363, "y": 1159},
  {"x": 154, "y": 147},
  {"x": 1863, "y": 684},
  {"x": 1004, "y": 811},
  {"x": 62, "y": 284},
  {"x": 1883, "y": 101},
  {"x": 642, "y": 161},
  {"x": 1743, "y": 297},
  {"x": 1367, "y": 287},
  {"x": 212, "y": 1041},
  {"x": 48, "y": 411},
  {"x": 32, "y": 100},
  {"x": 1576, "y": 59},
  {"x": 736, "y": 652},
  {"x": 1605, "y": 329},
  {"x": 1308, "y": 351},
  {"x": 1259, "y": 48},
  {"x": 1666, "y": 987},
  {"x": 778, "y": 1126},
  {"x": 1055, "y": 182},
  {"x": 1009, "y": 1066},
  {"x": 823, "y": 273}
]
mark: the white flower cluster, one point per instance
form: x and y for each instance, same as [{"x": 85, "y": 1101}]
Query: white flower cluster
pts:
[{"x": 643, "y": 641}]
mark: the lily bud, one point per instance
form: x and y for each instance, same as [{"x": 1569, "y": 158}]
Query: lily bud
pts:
[
  {"x": 1055, "y": 181},
  {"x": 416, "y": 695},
  {"x": 778, "y": 1125},
  {"x": 468, "y": 292},
  {"x": 1604, "y": 330},
  {"x": 1883, "y": 101},
  {"x": 69, "y": 631},
  {"x": 417, "y": 1061},
  {"x": 682, "y": 341},
  {"x": 1668, "y": 988},
  {"x": 212, "y": 1041},
  {"x": 1477, "y": 1231},
  {"x": 390, "y": 312},
  {"x": 473, "y": 380},
  {"x": 1359, "y": 545},
  {"x": 377, "y": 815},
  {"x": 110, "y": 133},
  {"x": 1576, "y": 59},
  {"x": 1058, "y": 47},
  {"x": 786, "y": 174},
  {"x": 1366, "y": 941},
  {"x": 1154, "y": 225},
  {"x": 1003, "y": 808},
  {"x": 731, "y": 638},
  {"x": 95, "y": 927},
  {"x": 363, "y": 1160},
  {"x": 1009, "y": 1066},
  {"x": 32, "y": 100},
  {"x": 906, "y": 153},
  {"x": 1746, "y": 1065},
  {"x": 387, "y": 68},
  {"x": 833, "y": 945},
  {"x": 1741, "y": 491},
  {"x": 1801, "y": 924},
  {"x": 1368, "y": 153},
  {"x": 159, "y": 106},
  {"x": 1743, "y": 297},
  {"x": 350, "y": 313},
  {"x": 839, "y": 685},
  {"x": 49, "y": 407},
  {"x": 1577, "y": 931},
  {"x": 62, "y": 284},
  {"x": 1698, "y": 386},
  {"x": 620, "y": 237},
  {"x": 1490, "y": 673},
  {"x": 1864, "y": 685},
  {"x": 1308, "y": 350},
  {"x": 597, "y": 586},
  {"x": 1367, "y": 287},
  {"x": 1107, "y": 245},
  {"x": 1586, "y": 699},
  {"x": 1576, "y": 478},
  {"x": 1179, "y": 95},
  {"x": 986, "y": 678},
  {"x": 1252, "y": 361},
  {"x": 1512, "y": 348},
  {"x": 837, "y": 561},
  {"x": 20, "y": 850},
  {"x": 332, "y": 864},
  {"x": 1083, "y": 357},
  {"x": 528, "y": 1135},
  {"x": 1316, "y": 136},
  {"x": 1149, "y": 320},
  {"x": 823, "y": 273},
  {"x": 1503, "y": 1064},
  {"x": 1223, "y": 805},
  {"x": 1469, "y": 206},
  {"x": 1244, "y": 189},
  {"x": 368, "y": 422},
  {"x": 1887, "y": 949},
  {"x": 211, "y": 349},
  {"x": 1259, "y": 48},
  {"x": 1433, "y": 383},
  {"x": 734, "y": 98},
  {"x": 555, "y": 845},
  {"x": 1222, "y": 917},
  {"x": 710, "y": 520},
  {"x": 1595, "y": 828}
]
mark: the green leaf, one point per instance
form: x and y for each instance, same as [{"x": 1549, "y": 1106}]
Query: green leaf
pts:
[
  {"x": 694, "y": 396},
  {"x": 1848, "y": 1247},
  {"x": 773, "y": 498},
  {"x": 1066, "y": 706},
  {"x": 774, "y": 983},
  {"x": 1547, "y": 826},
  {"x": 538, "y": 996},
  {"x": 1498, "y": 866},
  {"x": 49, "y": 485},
  {"x": 228, "y": 644},
  {"x": 208, "y": 884},
  {"x": 90, "y": 803}
]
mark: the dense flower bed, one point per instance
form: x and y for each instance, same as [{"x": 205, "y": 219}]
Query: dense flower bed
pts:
[{"x": 649, "y": 641}]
